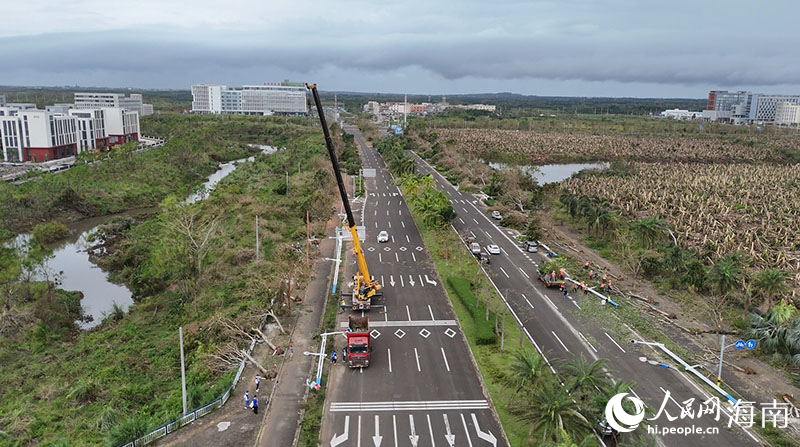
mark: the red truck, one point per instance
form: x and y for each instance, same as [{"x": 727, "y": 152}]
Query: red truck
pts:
[{"x": 358, "y": 342}]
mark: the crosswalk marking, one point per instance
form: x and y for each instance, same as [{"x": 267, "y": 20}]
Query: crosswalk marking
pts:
[{"x": 421, "y": 405}]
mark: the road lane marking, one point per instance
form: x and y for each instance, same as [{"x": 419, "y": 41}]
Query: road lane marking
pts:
[
  {"x": 403, "y": 224},
  {"x": 393, "y": 239},
  {"x": 615, "y": 343},
  {"x": 407, "y": 239},
  {"x": 445, "y": 360},
  {"x": 430, "y": 428},
  {"x": 421, "y": 282},
  {"x": 414, "y": 257},
  {"x": 476, "y": 222},
  {"x": 462, "y": 221},
  {"x": 523, "y": 272},
  {"x": 504, "y": 272},
  {"x": 402, "y": 285},
  {"x": 466, "y": 429},
  {"x": 358, "y": 442},
  {"x": 389, "y": 352},
  {"x": 396, "y": 257},
  {"x": 526, "y": 300},
  {"x": 380, "y": 261},
  {"x": 394, "y": 425},
  {"x": 419, "y": 405},
  {"x": 408, "y": 311},
  {"x": 576, "y": 304},
  {"x": 431, "y": 311},
  {"x": 559, "y": 340},
  {"x": 587, "y": 341},
  {"x": 416, "y": 355},
  {"x": 389, "y": 223}
]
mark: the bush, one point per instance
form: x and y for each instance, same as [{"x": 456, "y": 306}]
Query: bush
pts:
[
  {"x": 133, "y": 428},
  {"x": 49, "y": 232},
  {"x": 484, "y": 330}
]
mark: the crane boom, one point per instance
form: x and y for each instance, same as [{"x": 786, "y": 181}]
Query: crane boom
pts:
[{"x": 364, "y": 287}]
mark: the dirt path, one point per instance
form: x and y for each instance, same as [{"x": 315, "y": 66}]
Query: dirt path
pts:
[{"x": 760, "y": 383}]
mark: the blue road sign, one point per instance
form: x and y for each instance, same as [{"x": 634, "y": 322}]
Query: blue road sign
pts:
[
  {"x": 751, "y": 344},
  {"x": 394, "y": 126},
  {"x": 739, "y": 345},
  {"x": 398, "y": 132}
]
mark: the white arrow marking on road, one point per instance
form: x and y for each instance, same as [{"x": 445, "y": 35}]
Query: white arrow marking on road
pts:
[
  {"x": 429, "y": 281},
  {"x": 336, "y": 440},
  {"x": 377, "y": 439},
  {"x": 451, "y": 438},
  {"x": 413, "y": 437},
  {"x": 430, "y": 429},
  {"x": 486, "y": 436},
  {"x": 411, "y": 280},
  {"x": 466, "y": 429},
  {"x": 391, "y": 280}
]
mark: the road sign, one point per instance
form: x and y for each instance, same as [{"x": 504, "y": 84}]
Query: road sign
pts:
[
  {"x": 739, "y": 345},
  {"x": 398, "y": 131},
  {"x": 751, "y": 344}
]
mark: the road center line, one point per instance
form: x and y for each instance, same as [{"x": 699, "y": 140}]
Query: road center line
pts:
[
  {"x": 587, "y": 341},
  {"x": 559, "y": 340}
]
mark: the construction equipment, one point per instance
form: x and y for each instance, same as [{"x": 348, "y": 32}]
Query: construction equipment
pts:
[
  {"x": 358, "y": 342},
  {"x": 365, "y": 287}
]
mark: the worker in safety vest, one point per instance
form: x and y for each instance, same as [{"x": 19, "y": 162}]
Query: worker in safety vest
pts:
[
  {"x": 609, "y": 285},
  {"x": 586, "y": 265},
  {"x": 591, "y": 274},
  {"x": 583, "y": 286},
  {"x": 553, "y": 275}
]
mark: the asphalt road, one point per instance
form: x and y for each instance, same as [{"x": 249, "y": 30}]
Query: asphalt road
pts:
[
  {"x": 551, "y": 324},
  {"x": 421, "y": 388}
]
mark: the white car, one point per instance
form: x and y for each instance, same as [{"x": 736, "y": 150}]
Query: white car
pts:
[
  {"x": 383, "y": 236},
  {"x": 496, "y": 215},
  {"x": 493, "y": 249}
]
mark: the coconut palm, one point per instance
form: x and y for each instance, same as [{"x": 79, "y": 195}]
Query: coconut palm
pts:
[
  {"x": 725, "y": 275},
  {"x": 584, "y": 378},
  {"x": 526, "y": 370},
  {"x": 770, "y": 283},
  {"x": 551, "y": 412},
  {"x": 650, "y": 230},
  {"x": 779, "y": 331}
]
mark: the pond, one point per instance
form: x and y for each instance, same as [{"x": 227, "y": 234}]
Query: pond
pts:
[
  {"x": 70, "y": 259},
  {"x": 552, "y": 173}
]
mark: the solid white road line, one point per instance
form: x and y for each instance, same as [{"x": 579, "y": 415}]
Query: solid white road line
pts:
[
  {"x": 587, "y": 341},
  {"x": 613, "y": 341},
  {"x": 416, "y": 355},
  {"x": 394, "y": 426},
  {"x": 389, "y": 352},
  {"x": 504, "y": 272},
  {"x": 358, "y": 442},
  {"x": 559, "y": 340},
  {"x": 445, "y": 360},
  {"x": 466, "y": 430},
  {"x": 430, "y": 428},
  {"x": 431, "y": 311}
]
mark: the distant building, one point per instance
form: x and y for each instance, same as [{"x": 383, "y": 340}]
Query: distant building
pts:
[
  {"x": 482, "y": 107},
  {"x": 2, "y": 100},
  {"x": 60, "y": 108},
  {"x": 679, "y": 114},
  {"x": 787, "y": 113},
  {"x": 285, "y": 98},
  {"x": 748, "y": 107},
  {"x": 42, "y": 135},
  {"x": 115, "y": 100}
]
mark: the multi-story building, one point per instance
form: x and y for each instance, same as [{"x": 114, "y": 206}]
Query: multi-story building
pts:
[
  {"x": 747, "y": 106},
  {"x": 2, "y": 100},
  {"x": 84, "y": 100},
  {"x": 41, "y": 135},
  {"x": 286, "y": 98},
  {"x": 787, "y": 113}
]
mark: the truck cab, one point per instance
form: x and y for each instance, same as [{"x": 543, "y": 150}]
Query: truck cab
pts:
[{"x": 358, "y": 342}]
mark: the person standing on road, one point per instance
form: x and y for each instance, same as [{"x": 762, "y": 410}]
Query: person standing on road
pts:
[
  {"x": 246, "y": 399},
  {"x": 566, "y": 297},
  {"x": 258, "y": 381},
  {"x": 344, "y": 355},
  {"x": 291, "y": 350},
  {"x": 333, "y": 357},
  {"x": 255, "y": 404}
]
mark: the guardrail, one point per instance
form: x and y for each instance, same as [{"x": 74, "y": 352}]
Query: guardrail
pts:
[{"x": 196, "y": 413}]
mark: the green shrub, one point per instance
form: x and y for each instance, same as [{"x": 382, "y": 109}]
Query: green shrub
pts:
[
  {"x": 484, "y": 330},
  {"x": 49, "y": 232}
]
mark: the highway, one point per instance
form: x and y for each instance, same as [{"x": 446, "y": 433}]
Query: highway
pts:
[
  {"x": 557, "y": 332},
  {"x": 422, "y": 388}
]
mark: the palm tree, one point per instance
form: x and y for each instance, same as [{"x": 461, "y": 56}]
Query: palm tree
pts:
[
  {"x": 779, "y": 331},
  {"x": 770, "y": 283},
  {"x": 584, "y": 378},
  {"x": 552, "y": 412},
  {"x": 725, "y": 276},
  {"x": 526, "y": 370},
  {"x": 649, "y": 230}
]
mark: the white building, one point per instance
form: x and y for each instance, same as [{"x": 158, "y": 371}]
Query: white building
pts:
[
  {"x": 679, "y": 114},
  {"x": 84, "y": 100},
  {"x": 2, "y": 100},
  {"x": 747, "y": 107},
  {"x": 787, "y": 113},
  {"x": 286, "y": 98},
  {"x": 41, "y": 135}
]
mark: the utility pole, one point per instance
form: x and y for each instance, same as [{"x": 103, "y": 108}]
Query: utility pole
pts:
[
  {"x": 308, "y": 238},
  {"x": 258, "y": 248},
  {"x": 183, "y": 369},
  {"x": 721, "y": 351},
  {"x": 503, "y": 330},
  {"x": 287, "y": 183}
]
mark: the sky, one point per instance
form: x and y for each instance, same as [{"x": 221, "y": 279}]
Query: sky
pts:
[{"x": 628, "y": 48}]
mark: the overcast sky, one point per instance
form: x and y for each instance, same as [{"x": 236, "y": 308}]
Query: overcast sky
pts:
[{"x": 642, "y": 48}]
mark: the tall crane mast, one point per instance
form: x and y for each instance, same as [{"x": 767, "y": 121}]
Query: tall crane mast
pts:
[{"x": 364, "y": 287}]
